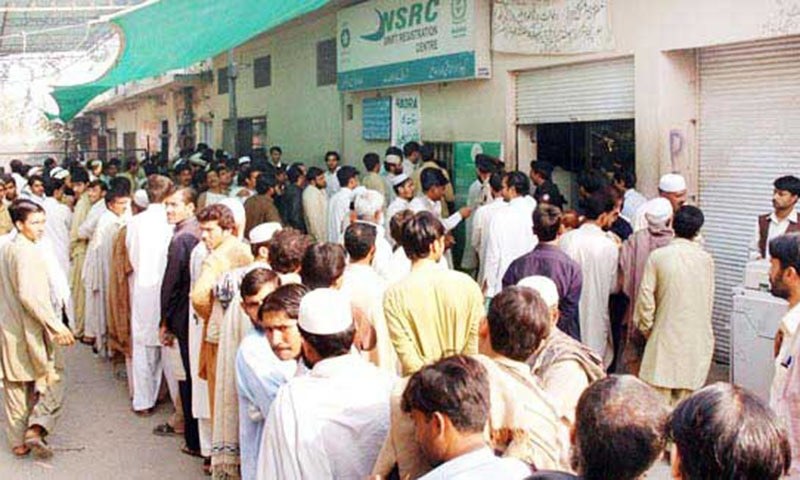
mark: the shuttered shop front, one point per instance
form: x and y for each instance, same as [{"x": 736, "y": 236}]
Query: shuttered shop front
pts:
[
  {"x": 584, "y": 92},
  {"x": 749, "y": 136}
]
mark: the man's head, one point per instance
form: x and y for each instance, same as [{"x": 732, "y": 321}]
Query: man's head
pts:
[
  {"x": 547, "y": 290},
  {"x": 80, "y": 180},
  {"x": 368, "y": 206},
  {"x": 316, "y": 177},
  {"x": 590, "y": 182},
  {"x": 599, "y": 208},
  {"x": 11, "y": 189},
  {"x": 372, "y": 162},
  {"x": 260, "y": 237},
  {"x": 687, "y": 222},
  {"x": 485, "y": 166},
  {"x": 394, "y": 161},
  {"x": 217, "y": 224},
  {"x": 619, "y": 429},
  {"x": 265, "y": 185},
  {"x": 112, "y": 167},
  {"x": 332, "y": 161},
  {"x": 397, "y": 223},
  {"x": 547, "y": 223},
  {"x": 158, "y": 188},
  {"x": 724, "y": 431},
  {"x": 433, "y": 183},
  {"x": 212, "y": 180},
  {"x": 225, "y": 175},
  {"x": 275, "y": 154},
  {"x": 423, "y": 237},
  {"x": 181, "y": 205},
  {"x": 28, "y": 218},
  {"x": 277, "y": 318},
  {"x": 326, "y": 325},
  {"x": 515, "y": 184},
  {"x": 541, "y": 171},
  {"x": 347, "y": 177},
  {"x": 96, "y": 190},
  {"x": 255, "y": 286},
  {"x": 323, "y": 266},
  {"x": 403, "y": 186},
  {"x": 118, "y": 201},
  {"x": 54, "y": 187},
  {"x": 411, "y": 151},
  {"x": 296, "y": 174},
  {"x": 785, "y": 193},
  {"x": 249, "y": 176},
  {"x": 624, "y": 180},
  {"x": 183, "y": 175},
  {"x": 517, "y": 322},
  {"x": 449, "y": 404},
  {"x": 36, "y": 185},
  {"x": 287, "y": 249},
  {"x": 359, "y": 242},
  {"x": 672, "y": 186},
  {"x": 496, "y": 184},
  {"x": 784, "y": 272}
]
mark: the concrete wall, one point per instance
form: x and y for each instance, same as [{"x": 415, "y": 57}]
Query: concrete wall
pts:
[{"x": 304, "y": 119}]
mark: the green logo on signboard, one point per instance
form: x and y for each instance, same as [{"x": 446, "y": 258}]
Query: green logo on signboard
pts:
[
  {"x": 403, "y": 17},
  {"x": 458, "y": 8},
  {"x": 344, "y": 38}
]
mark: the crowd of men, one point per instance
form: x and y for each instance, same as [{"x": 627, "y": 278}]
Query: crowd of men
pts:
[{"x": 308, "y": 322}]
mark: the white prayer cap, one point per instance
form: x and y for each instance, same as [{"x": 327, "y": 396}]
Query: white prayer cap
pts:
[
  {"x": 244, "y": 160},
  {"x": 95, "y": 163},
  {"x": 393, "y": 159},
  {"x": 399, "y": 179},
  {"x": 197, "y": 159},
  {"x": 238, "y": 212},
  {"x": 545, "y": 287},
  {"x": 368, "y": 203},
  {"x": 35, "y": 171},
  {"x": 325, "y": 311},
  {"x": 59, "y": 173},
  {"x": 264, "y": 232},
  {"x": 657, "y": 211},
  {"x": 672, "y": 183},
  {"x": 140, "y": 199}
]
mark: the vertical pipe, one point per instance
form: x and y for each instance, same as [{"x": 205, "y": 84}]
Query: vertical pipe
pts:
[{"x": 233, "y": 117}]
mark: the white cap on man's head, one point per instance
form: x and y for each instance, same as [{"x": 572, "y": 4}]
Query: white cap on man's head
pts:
[
  {"x": 672, "y": 183},
  {"x": 140, "y": 198},
  {"x": 243, "y": 160},
  {"x": 545, "y": 287},
  {"x": 264, "y": 232},
  {"x": 393, "y": 159},
  {"x": 325, "y": 311},
  {"x": 59, "y": 173},
  {"x": 399, "y": 179},
  {"x": 658, "y": 211}
]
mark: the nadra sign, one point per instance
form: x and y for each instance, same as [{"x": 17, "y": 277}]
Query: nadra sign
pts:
[{"x": 388, "y": 43}]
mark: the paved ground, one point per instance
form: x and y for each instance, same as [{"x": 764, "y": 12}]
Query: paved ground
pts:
[{"x": 99, "y": 438}]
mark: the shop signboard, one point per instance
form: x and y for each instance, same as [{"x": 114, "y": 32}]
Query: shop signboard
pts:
[
  {"x": 390, "y": 43},
  {"x": 406, "y": 120}
]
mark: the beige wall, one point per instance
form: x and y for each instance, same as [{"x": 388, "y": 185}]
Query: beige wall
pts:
[{"x": 304, "y": 119}]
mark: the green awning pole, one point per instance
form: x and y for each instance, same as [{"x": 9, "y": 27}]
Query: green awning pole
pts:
[{"x": 232, "y": 115}]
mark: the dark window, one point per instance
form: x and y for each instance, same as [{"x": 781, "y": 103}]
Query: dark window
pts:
[
  {"x": 326, "y": 62},
  {"x": 222, "y": 81},
  {"x": 262, "y": 72}
]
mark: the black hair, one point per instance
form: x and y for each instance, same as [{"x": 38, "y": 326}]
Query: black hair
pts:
[
  {"x": 519, "y": 321},
  {"x": 455, "y": 386},
  {"x": 275, "y": 148},
  {"x": 687, "y": 222},
  {"x": 546, "y": 222},
  {"x": 496, "y": 182},
  {"x": 345, "y": 174},
  {"x": 51, "y": 185},
  {"x": 786, "y": 250},
  {"x": 724, "y": 431},
  {"x": 313, "y": 173},
  {"x": 359, "y": 239},
  {"x": 264, "y": 182},
  {"x": 519, "y": 182},
  {"x": 332, "y": 153},
  {"x": 419, "y": 233},
  {"x": 294, "y": 173},
  {"x": 432, "y": 177},
  {"x": 79, "y": 175},
  {"x": 21, "y": 209},
  {"x": 255, "y": 280},
  {"x": 592, "y": 181},
  {"x": 394, "y": 151},
  {"x": 323, "y": 264},
  {"x": 371, "y": 160},
  {"x": 334, "y": 345},
  {"x": 427, "y": 153},
  {"x": 627, "y": 177},
  {"x": 789, "y": 183},
  {"x": 410, "y": 148},
  {"x": 597, "y": 203}
]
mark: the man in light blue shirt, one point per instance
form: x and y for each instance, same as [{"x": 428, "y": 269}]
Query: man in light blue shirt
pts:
[{"x": 449, "y": 404}]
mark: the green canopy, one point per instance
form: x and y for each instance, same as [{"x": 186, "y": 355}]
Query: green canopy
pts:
[{"x": 172, "y": 34}]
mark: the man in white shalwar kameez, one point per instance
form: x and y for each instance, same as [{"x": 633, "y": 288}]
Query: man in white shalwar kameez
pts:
[
  {"x": 147, "y": 241},
  {"x": 478, "y": 195},
  {"x": 59, "y": 220},
  {"x": 483, "y": 216},
  {"x": 339, "y": 203},
  {"x": 332, "y": 422},
  {"x": 369, "y": 209},
  {"x": 597, "y": 254},
  {"x": 97, "y": 267},
  {"x": 509, "y": 235},
  {"x": 403, "y": 187},
  {"x": 201, "y": 410},
  {"x": 268, "y": 357}
]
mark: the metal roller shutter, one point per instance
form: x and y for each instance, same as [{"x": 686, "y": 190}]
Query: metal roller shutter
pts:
[
  {"x": 583, "y": 92},
  {"x": 749, "y": 135}
]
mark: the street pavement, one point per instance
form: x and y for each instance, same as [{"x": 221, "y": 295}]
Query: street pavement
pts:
[{"x": 98, "y": 437}]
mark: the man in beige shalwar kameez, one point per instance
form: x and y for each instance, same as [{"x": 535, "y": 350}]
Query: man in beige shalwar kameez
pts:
[
  {"x": 673, "y": 311},
  {"x": 30, "y": 331}
]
